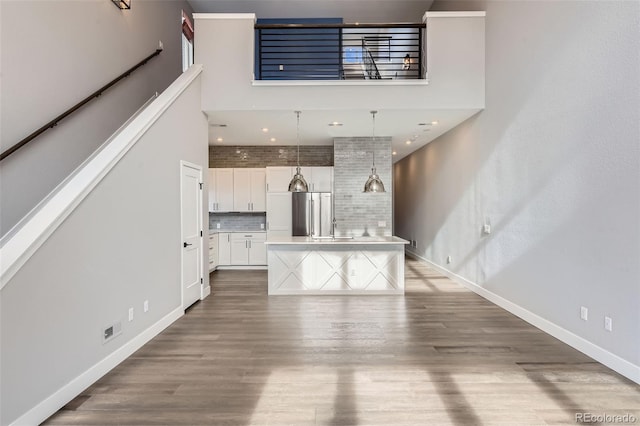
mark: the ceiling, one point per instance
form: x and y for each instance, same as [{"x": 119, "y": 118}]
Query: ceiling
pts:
[
  {"x": 373, "y": 11},
  {"x": 245, "y": 127},
  {"x": 419, "y": 127}
]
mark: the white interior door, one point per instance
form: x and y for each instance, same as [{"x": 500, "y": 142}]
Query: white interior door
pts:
[{"x": 191, "y": 231}]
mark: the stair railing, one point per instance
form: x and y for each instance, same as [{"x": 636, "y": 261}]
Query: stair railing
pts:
[
  {"x": 53, "y": 123},
  {"x": 369, "y": 63}
]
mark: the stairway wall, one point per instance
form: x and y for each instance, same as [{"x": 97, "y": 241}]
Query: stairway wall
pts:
[{"x": 54, "y": 54}]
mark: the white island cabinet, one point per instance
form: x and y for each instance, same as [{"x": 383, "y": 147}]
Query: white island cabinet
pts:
[{"x": 362, "y": 265}]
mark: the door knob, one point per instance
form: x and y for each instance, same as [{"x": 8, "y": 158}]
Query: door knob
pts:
[{"x": 186, "y": 244}]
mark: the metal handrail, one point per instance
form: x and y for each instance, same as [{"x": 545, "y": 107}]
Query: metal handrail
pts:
[
  {"x": 53, "y": 123},
  {"x": 331, "y": 51},
  {"x": 370, "y": 64},
  {"x": 386, "y": 25}
]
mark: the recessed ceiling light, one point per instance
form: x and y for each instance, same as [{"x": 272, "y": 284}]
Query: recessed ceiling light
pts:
[
  {"x": 408, "y": 142},
  {"x": 219, "y": 139},
  {"x": 393, "y": 153},
  {"x": 272, "y": 139},
  {"x": 217, "y": 125},
  {"x": 335, "y": 124},
  {"x": 265, "y": 130},
  {"x": 434, "y": 122}
]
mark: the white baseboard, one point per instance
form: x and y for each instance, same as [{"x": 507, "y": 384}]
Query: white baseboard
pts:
[
  {"x": 613, "y": 361},
  {"x": 242, "y": 268},
  {"x": 62, "y": 396},
  {"x": 206, "y": 292}
]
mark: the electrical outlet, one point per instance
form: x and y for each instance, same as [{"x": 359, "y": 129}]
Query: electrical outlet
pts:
[
  {"x": 218, "y": 225},
  {"x": 382, "y": 224},
  {"x": 449, "y": 259},
  {"x": 608, "y": 324},
  {"x": 146, "y": 306},
  {"x": 160, "y": 45},
  {"x": 584, "y": 313},
  {"x": 281, "y": 67},
  {"x": 262, "y": 226},
  {"x": 130, "y": 314},
  {"x": 486, "y": 228}
]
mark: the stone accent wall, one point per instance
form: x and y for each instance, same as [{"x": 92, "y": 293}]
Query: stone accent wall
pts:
[
  {"x": 358, "y": 213},
  {"x": 265, "y": 156}
]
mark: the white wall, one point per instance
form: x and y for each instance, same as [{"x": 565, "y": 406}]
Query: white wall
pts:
[
  {"x": 225, "y": 47},
  {"x": 553, "y": 163},
  {"x": 54, "y": 54},
  {"x": 119, "y": 247}
]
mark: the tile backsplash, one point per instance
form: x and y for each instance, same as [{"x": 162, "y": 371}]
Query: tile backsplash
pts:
[{"x": 235, "y": 221}]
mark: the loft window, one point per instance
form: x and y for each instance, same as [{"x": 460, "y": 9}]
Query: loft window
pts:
[{"x": 187, "y": 42}]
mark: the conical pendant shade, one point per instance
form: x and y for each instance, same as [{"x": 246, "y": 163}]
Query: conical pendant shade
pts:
[
  {"x": 298, "y": 183},
  {"x": 374, "y": 184}
]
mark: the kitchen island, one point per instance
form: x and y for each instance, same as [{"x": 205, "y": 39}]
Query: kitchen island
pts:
[{"x": 341, "y": 265}]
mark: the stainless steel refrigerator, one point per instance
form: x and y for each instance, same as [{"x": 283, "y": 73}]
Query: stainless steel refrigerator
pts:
[{"x": 312, "y": 214}]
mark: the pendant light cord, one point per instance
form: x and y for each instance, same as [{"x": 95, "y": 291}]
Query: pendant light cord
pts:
[
  {"x": 373, "y": 114},
  {"x": 298, "y": 137}
]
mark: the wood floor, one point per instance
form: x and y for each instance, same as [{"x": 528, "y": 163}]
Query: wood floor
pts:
[{"x": 440, "y": 355}]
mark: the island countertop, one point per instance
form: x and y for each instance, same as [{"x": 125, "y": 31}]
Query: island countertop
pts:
[{"x": 340, "y": 241}]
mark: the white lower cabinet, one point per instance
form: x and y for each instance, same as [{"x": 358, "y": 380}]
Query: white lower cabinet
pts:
[
  {"x": 239, "y": 250},
  {"x": 242, "y": 248},
  {"x": 224, "y": 248},
  {"x": 213, "y": 251}
]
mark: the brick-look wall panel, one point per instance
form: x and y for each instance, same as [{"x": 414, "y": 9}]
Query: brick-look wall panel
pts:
[
  {"x": 358, "y": 213},
  {"x": 265, "y": 156}
]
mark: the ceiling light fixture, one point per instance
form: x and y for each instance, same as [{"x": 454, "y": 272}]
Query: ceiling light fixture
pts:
[
  {"x": 298, "y": 184},
  {"x": 408, "y": 142},
  {"x": 434, "y": 122},
  {"x": 393, "y": 153},
  {"x": 335, "y": 124},
  {"x": 122, "y": 4},
  {"x": 265, "y": 130},
  {"x": 374, "y": 184},
  {"x": 272, "y": 139},
  {"x": 219, "y": 139}
]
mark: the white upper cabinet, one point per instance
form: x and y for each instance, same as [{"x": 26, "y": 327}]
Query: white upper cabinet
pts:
[
  {"x": 278, "y": 178},
  {"x": 319, "y": 179},
  {"x": 220, "y": 190},
  {"x": 249, "y": 190},
  {"x": 322, "y": 179}
]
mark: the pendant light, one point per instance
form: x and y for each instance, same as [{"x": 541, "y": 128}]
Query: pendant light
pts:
[
  {"x": 298, "y": 184},
  {"x": 374, "y": 184}
]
